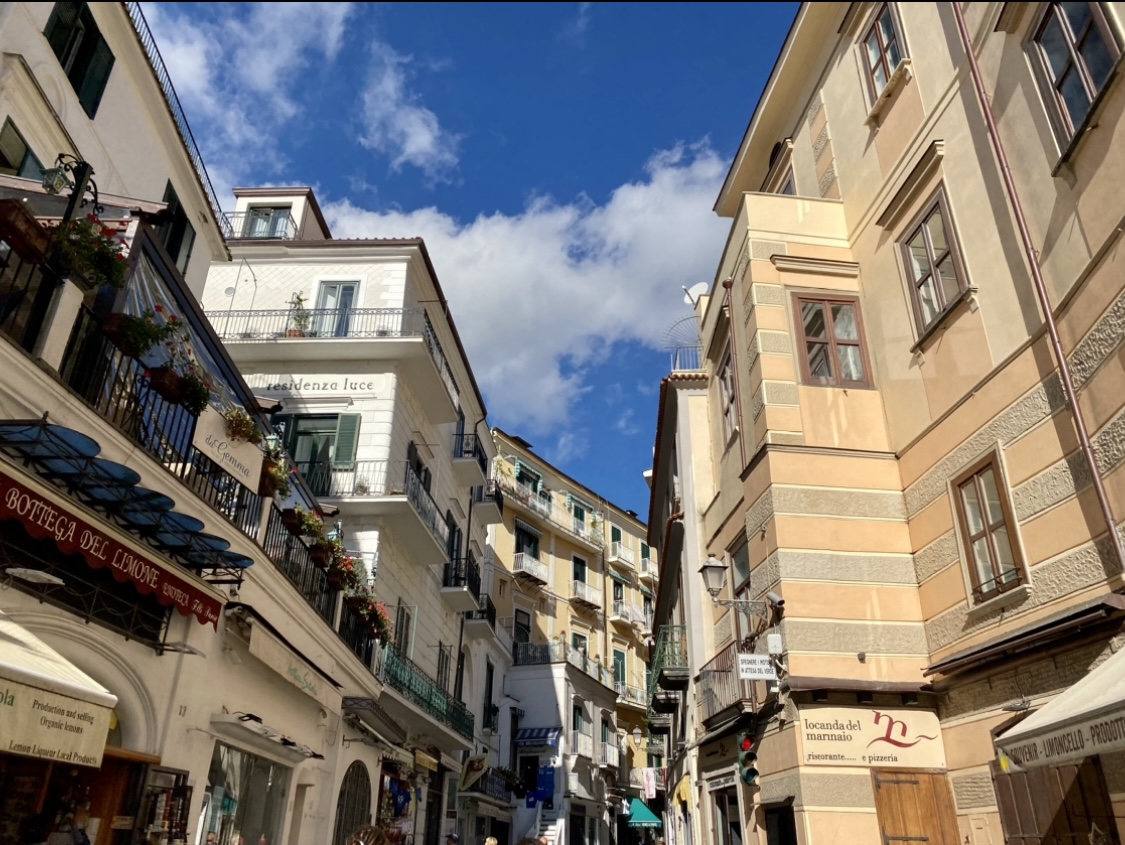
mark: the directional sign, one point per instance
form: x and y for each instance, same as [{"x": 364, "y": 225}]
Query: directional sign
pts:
[{"x": 756, "y": 667}]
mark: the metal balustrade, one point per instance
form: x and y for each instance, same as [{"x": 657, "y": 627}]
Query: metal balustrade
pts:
[
  {"x": 256, "y": 225},
  {"x": 469, "y": 446},
  {"x": 670, "y": 653},
  {"x": 462, "y": 572},
  {"x": 487, "y": 612},
  {"x": 584, "y": 592},
  {"x": 719, "y": 684},
  {"x": 620, "y": 553},
  {"x": 523, "y": 562},
  {"x": 492, "y": 785},
  {"x": 401, "y": 673},
  {"x": 630, "y": 693},
  {"x": 649, "y": 569},
  {"x": 582, "y": 744},
  {"x": 533, "y": 654},
  {"x": 610, "y": 755},
  {"x": 291, "y": 557}
]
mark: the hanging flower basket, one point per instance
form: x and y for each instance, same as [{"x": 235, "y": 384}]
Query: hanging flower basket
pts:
[
  {"x": 241, "y": 426},
  {"x": 357, "y": 604},
  {"x": 337, "y": 579},
  {"x": 321, "y": 554},
  {"x": 136, "y": 335},
  {"x": 167, "y": 384},
  {"x": 290, "y": 518},
  {"x": 85, "y": 247},
  {"x": 196, "y": 393}
]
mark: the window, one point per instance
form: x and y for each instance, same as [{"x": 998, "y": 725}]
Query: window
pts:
[
  {"x": 489, "y": 678},
  {"x": 882, "y": 49},
  {"x": 82, "y": 52},
  {"x": 618, "y": 591},
  {"x": 740, "y": 560},
  {"x": 578, "y": 642},
  {"x": 353, "y": 807},
  {"x": 16, "y": 157},
  {"x": 263, "y": 222},
  {"x": 579, "y": 569},
  {"x": 614, "y": 534},
  {"x": 417, "y": 468},
  {"x": 788, "y": 186},
  {"x": 726, "y": 397},
  {"x": 459, "y": 679},
  {"x": 933, "y": 263},
  {"x": 984, "y": 514},
  {"x": 1077, "y": 52},
  {"x": 781, "y": 826},
  {"x": 527, "y": 543},
  {"x": 444, "y": 659},
  {"x": 645, "y": 553},
  {"x": 176, "y": 233},
  {"x": 247, "y": 795},
  {"x": 402, "y": 629},
  {"x": 321, "y": 444},
  {"x": 528, "y": 478},
  {"x": 500, "y": 588},
  {"x": 578, "y": 718},
  {"x": 619, "y": 666},
  {"x": 335, "y": 303},
  {"x": 648, "y": 608},
  {"x": 521, "y": 627},
  {"x": 832, "y": 341}
]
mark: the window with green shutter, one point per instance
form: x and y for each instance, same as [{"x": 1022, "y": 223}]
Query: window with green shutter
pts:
[
  {"x": 347, "y": 441},
  {"x": 614, "y": 534},
  {"x": 84, "y": 55}
]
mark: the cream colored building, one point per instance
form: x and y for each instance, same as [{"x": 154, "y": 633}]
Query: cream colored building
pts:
[
  {"x": 880, "y": 435},
  {"x": 575, "y": 583}
]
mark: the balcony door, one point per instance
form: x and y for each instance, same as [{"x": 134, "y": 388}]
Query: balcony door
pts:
[
  {"x": 264, "y": 222},
  {"x": 321, "y": 444},
  {"x": 335, "y": 303},
  {"x": 579, "y": 570},
  {"x": 521, "y": 630},
  {"x": 619, "y": 666}
]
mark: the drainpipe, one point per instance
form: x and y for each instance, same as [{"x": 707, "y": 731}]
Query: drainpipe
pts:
[
  {"x": 1040, "y": 288},
  {"x": 735, "y": 380}
]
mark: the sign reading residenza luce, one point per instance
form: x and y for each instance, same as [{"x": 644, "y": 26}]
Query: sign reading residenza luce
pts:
[
  {"x": 51, "y": 726},
  {"x": 870, "y": 736}
]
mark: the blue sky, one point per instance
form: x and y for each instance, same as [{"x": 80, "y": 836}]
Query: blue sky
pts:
[{"x": 561, "y": 161}]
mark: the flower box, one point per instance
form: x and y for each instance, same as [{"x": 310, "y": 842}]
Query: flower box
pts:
[
  {"x": 321, "y": 554},
  {"x": 22, "y": 231},
  {"x": 289, "y": 518},
  {"x": 337, "y": 579},
  {"x": 167, "y": 383}
]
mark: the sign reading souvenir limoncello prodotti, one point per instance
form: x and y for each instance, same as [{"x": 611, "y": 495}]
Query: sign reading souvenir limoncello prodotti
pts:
[{"x": 51, "y": 726}]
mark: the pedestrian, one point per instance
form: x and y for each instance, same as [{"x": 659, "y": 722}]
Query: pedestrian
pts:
[
  {"x": 368, "y": 835},
  {"x": 491, "y": 840}
]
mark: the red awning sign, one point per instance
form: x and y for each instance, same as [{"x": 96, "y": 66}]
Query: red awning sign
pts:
[{"x": 43, "y": 519}]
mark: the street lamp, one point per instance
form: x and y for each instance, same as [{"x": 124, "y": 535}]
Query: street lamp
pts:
[
  {"x": 637, "y": 737},
  {"x": 71, "y": 172},
  {"x": 714, "y": 573}
]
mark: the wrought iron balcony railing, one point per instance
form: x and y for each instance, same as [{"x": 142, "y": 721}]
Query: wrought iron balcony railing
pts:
[
  {"x": 489, "y": 491},
  {"x": 534, "y": 654},
  {"x": 523, "y": 562},
  {"x": 402, "y": 674},
  {"x": 487, "y": 612},
  {"x": 630, "y": 693},
  {"x": 462, "y": 572},
  {"x": 586, "y": 593},
  {"x": 720, "y": 686},
  {"x": 492, "y": 785},
  {"x": 670, "y": 654},
  {"x": 582, "y": 744},
  {"x": 469, "y": 446},
  {"x": 262, "y": 224},
  {"x": 620, "y": 553},
  {"x": 545, "y": 505}
]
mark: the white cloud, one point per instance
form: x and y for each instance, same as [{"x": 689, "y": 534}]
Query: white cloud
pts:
[
  {"x": 626, "y": 424},
  {"x": 540, "y": 296},
  {"x": 398, "y": 125},
  {"x": 576, "y": 29},
  {"x": 571, "y": 446}
]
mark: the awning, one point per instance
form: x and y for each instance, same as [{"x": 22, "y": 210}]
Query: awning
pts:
[
  {"x": 641, "y": 816},
  {"x": 1087, "y": 719},
  {"x": 616, "y": 576},
  {"x": 682, "y": 792},
  {"x": 528, "y": 527},
  {"x": 248, "y": 728},
  {"x": 646, "y": 590},
  {"x": 538, "y": 736},
  {"x": 49, "y": 708}
]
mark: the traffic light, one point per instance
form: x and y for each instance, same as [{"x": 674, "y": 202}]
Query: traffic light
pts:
[{"x": 747, "y": 758}]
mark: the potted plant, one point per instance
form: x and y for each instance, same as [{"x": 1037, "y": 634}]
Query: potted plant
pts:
[
  {"x": 86, "y": 247},
  {"x": 135, "y": 335},
  {"x": 166, "y": 383},
  {"x": 274, "y": 480},
  {"x": 301, "y": 316},
  {"x": 343, "y": 572},
  {"x": 241, "y": 426},
  {"x": 196, "y": 392}
]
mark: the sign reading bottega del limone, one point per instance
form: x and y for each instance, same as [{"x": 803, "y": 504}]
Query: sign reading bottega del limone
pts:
[
  {"x": 887, "y": 737},
  {"x": 51, "y": 726}
]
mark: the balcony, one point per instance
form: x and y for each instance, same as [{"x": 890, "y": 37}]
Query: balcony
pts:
[
  {"x": 722, "y": 694},
  {"x": 489, "y": 785},
  {"x": 488, "y": 503},
  {"x": 583, "y": 594},
  {"x": 536, "y": 654},
  {"x": 528, "y": 569},
  {"x": 625, "y": 613},
  {"x": 649, "y": 571},
  {"x": 490, "y": 719},
  {"x": 470, "y": 463},
  {"x": 665, "y": 702},
  {"x": 534, "y": 502},
  {"x": 610, "y": 757},
  {"x": 631, "y": 696},
  {"x": 330, "y": 335},
  {"x": 262, "y": 224},
  {"x": 386, "y": 490},
  {"x": 669, "y": 662},
  {"x": 659, "y": 773},
  {"x": 481, "y": 623},
  {"x": 591, "y": 534},
  {"x": 659, "y": 724},
  {"x": 582, "y": 744},
  {"x": 645, "y": 623},
  {"x": 403, "y": 676},
  {"x": 543, "y": 505},
  {"x": 460, "y": 584},
  {"x": 620, "y": 554}
]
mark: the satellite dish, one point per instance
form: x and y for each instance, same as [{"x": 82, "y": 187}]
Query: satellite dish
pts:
[{"x": 692, "y": 294}]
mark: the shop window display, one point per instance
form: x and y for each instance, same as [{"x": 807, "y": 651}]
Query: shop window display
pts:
[{"x": 245, "y": 799}]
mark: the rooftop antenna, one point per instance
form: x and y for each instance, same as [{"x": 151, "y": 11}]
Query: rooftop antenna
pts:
[{"x": 683, "y": 344}]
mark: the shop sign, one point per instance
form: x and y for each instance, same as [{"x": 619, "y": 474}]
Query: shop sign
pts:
[
  {"x": 277, "y": 657},
  {"x": 44, "y": 519},
  {"x": 1103, "y": 734},
  {"x": 756, "y": 667},
  {"x": 237, "y": 458},
  {"x": 422, "y": 760},
  {"x": 715, "y": 784},
  {"x": 51, "y": 726},
  {"x": 859, "y": 736},
  {"x": 311, "y": 385}
]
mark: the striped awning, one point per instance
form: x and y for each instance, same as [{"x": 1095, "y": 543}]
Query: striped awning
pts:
[
  {"x": 528, "y": 527},
  {"x": 538, "y": 736},
  {"x": 646, "y": 590},
  {"x": 616, "y": 576}
]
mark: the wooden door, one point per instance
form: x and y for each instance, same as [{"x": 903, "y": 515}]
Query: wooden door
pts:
[
  {"x": 914, "y": 807},
  {"x": 1055, "y": 805}
]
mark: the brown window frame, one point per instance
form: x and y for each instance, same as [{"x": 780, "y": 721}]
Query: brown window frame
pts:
[
  {"x": 727, "y": 397},
  {"x": 1045, "y": 76},
  {"x": 939, "y": 203},
  {"x": 828, "y": 299},
  {"x": 869, "y": 71},
  {"x": 973, "y": 474}
]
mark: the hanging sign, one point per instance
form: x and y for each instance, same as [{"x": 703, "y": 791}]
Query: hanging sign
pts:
[
  {"x": 237, "y": 458},
  {"x": 756, "y": 667},
  {"x": 51, "y": 726}
]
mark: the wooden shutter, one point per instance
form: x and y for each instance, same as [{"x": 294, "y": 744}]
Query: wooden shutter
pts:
[
  {"x": 60, "y": 27},
  {"x": 1053, "y": 803},
  {"x": 97, "y": 75},
  {"x": 614, "y": 534},
  {"x": 914, "y": 807},
  {"x": 347, "y": 441}
]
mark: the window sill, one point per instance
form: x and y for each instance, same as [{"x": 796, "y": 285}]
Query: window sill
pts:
[
  {"x": 940, "y": 320},
  {"x": 1016, "y": 595},
  {"x": 899, "y": 78}
]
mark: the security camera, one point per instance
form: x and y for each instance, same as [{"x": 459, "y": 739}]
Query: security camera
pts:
[{"x": 775, "y": 600}]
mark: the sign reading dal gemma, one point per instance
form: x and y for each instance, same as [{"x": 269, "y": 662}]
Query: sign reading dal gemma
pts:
[
  {"x": 869, "y": 736},
  {"x": 51, "y": 726},
  {"x": 238, "y": 458}
]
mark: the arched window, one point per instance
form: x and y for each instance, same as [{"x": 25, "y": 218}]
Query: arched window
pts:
[{"x": 353, "y": 810}]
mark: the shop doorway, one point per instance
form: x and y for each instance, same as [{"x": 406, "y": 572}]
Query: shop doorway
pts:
[
  {"x": 1055, "y": 804},
  {"x": 914, "y": 806},
  {"x": 433, "y": 806},
  {"x": 353, "y": 808}
]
